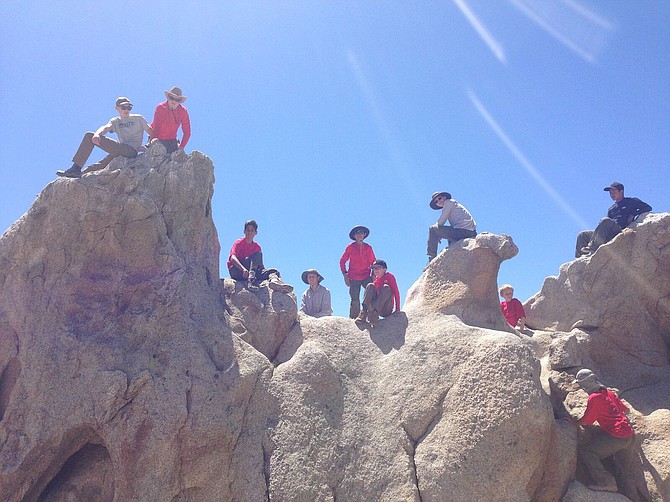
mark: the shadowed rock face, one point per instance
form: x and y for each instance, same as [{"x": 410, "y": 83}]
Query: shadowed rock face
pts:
[{"x": 124, "y": 376}]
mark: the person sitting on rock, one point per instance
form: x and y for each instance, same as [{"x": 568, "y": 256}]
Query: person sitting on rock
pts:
[
  {"x": 380, "y": 296},
  {"x": 360, "y": 256},
  {"x": 316, "y": 299},
  {"x": 246, "y": 262},
  {"x": 463, "y": 226},
  {"x": 615, "y": 432},
  {"x": 130, "y": 129},
  {"x": 512, "y": 308},
  {"x": 621, "y": 214},
  {"x": 168, "y": 116}
]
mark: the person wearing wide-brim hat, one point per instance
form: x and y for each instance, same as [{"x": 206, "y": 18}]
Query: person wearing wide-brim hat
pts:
[
  {"x": 168, "y": 116},
  {"x": 129, "y": 127},
  {"x": 462, "y": 224},
  {"x": 615, "y": 433},
  {"x": 360, "y": 256},
  {"x": 316, "y": 299}
]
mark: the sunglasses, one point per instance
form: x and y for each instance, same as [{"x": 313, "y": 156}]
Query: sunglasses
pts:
[
  {"x": 172, "y": 98},
  {"x": 123, "y": 107}
]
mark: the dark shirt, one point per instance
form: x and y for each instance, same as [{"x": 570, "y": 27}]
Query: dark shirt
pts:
[{"x": 628, "y": 206}]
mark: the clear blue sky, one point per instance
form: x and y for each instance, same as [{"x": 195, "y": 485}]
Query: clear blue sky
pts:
[{"x": 320, "y": 115}]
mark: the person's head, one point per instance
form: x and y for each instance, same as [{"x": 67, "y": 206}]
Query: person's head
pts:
[
  {"x": 507, "y": 292},
  {"x": 123, "y": 106},
  {"x": 174, "y": 97},
  {"x": 588, "y": 381},
  {"x": 359, "y": 233},
  {"x": 250, "y": 229},
  {"x": 615, "y": 190},
  {"x": 379, "y": 268},
  {"x": 438, "y": 199},
  {"x": 312, "y": 277}
]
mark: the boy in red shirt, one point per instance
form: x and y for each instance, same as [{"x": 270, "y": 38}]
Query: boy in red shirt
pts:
[
  {"x": 512, "y": 308},
  {"x": 246, "y": 262},
  {"x": 168, "y": 116},
  {"x": 615, "y": 434},
  {"x": 380, "y": 296},
  {"x": 360, "y": 257}
]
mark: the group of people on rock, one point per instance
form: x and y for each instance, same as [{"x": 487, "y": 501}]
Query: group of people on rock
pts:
[
  {"x": 362, "y": 270},
  {"x": 169, "y": 115}
]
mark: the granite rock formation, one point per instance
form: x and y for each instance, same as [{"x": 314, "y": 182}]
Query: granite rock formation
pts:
[{"x": 130, "y": 371}]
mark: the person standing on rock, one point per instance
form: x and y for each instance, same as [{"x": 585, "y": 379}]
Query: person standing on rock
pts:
[
  {"x": 360, "y": 256},
  {"x": 316, "y": 299},
  {"x": 246, "y": 262},
  {"x": 462, "y": 225},
  {"x": 619, "y": 216},
  {"x": 130, "y": 129},
  {"x": 512, "y": 308},
  {"x": 615, "y": 432},
  {"x": 168, "y": 116},
  {"x": 380, "y": 297}
]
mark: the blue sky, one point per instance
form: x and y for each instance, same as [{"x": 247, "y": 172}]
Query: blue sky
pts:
[{"x": 320, "y": 115}]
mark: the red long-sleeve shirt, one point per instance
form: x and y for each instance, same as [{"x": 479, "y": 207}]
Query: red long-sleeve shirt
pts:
[
  {"x": 512, "y": 310},
  {"x": 605, "y": 407},
  {"x": 389, "y": 278},
  {"x": 360, "y": 257},
  {"x": 166, "y": 123}
]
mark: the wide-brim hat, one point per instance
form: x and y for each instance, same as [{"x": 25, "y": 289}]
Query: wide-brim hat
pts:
[
  {"x": 435, "y": 196},
  {"x": 312, "y": 271},
  {"x": 356, "y": 229},
  {"x": 175, "y": 92}
]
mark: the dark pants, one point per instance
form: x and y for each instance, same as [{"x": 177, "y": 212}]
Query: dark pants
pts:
[
  {"x": 113, "y": 148},
  {"x": 355, "y": 295},
  {"x": 436, "y": 234},
  {"x": 380, "y": 303},
  {"x": 255, "y": 263},
  {"x": 171, "y": 145},
  {"x": 600, "y": 446},
  {"x": 606, "y": 230}
]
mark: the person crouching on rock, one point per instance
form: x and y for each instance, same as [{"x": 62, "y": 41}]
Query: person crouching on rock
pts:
[
  {"x": 512, "y": 308},
  {"x": 168, "y": 116},
  {"x": 360, "y": 256},
  {"x": 316, "y": 300},
  {"x": 129, "y": 127},
  {"x": 246, "y": 262},
  {"x": 463, "y": 226},
  {"x": 614, "y": 435},
  {"x": 380, "y": 296}
]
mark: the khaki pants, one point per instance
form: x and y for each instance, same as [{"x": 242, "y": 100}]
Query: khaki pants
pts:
[
  {"x": 600, "y": 446},
  {"x": 436, "y": 234},
  {"x": 113, "y": 148}
]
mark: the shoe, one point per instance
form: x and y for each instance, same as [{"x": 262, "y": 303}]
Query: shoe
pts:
[
  {"x": 586, "y": 251},
  {"x": 250, "y": 281},
  {"x": 280, "y": 287},
  {"x": 604, "y": 488},
  {"x": 73, "y": 172},
  {"x": 373, "y": 318},
  {"x": 362, "y": 318}
]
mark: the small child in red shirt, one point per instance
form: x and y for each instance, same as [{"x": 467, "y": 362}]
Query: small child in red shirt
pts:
[{"x": 512, "y": 308}]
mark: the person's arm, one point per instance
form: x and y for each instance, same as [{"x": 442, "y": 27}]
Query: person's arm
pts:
[
  {"x": 396, "y": 293},
  {"x": 326, "y": 309},
  {"x": 100, "y": 131},
  {"x": 446, "y": 211},
  {"x": 522, "y": 315},
  {"x": 639, "y": 208},
  {"x": 185, "y": 129},
  {"x": 343, "y": 266},
  {"x": 590, "y": 415},
  {"x": 302, "y": 303},
  {"x": 149, "y": 130}
]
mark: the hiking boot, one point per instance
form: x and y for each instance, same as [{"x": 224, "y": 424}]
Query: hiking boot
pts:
[
  {"x": 73, "y": 172},
  {"x": 609, "y": 487},
  {"x": 586, "y": 251},
  {"x": 373, "y": 318},
  {"x": 362, "y": 317}
]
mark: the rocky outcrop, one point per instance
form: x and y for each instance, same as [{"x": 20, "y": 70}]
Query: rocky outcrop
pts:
[{"x": 130, "y": 371}]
